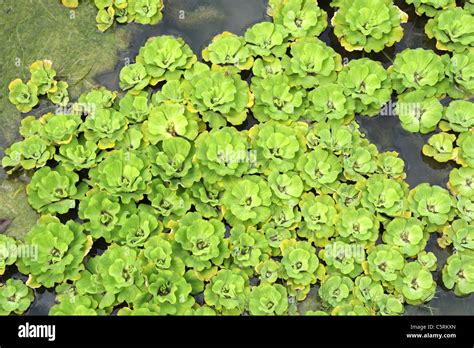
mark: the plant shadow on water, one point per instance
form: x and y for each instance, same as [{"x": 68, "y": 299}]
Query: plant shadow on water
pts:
[{"x": 198, "y": 21}]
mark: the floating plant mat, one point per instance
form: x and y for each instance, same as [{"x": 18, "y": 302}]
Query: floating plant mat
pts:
[{"x": 239, "y": 189}]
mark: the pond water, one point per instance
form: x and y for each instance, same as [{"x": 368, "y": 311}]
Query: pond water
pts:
[{"x": 197, "y": 21}]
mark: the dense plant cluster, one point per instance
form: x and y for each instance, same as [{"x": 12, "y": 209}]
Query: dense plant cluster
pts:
[
  {"x": 201, "y": 218},
  {"x": 368, "y": 25},
  {"x": 124, "y": 11},
  {"x": 25, "y": 96}
]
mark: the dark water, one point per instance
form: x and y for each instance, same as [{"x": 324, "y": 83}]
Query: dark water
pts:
[{"x": 197, "y": 21}]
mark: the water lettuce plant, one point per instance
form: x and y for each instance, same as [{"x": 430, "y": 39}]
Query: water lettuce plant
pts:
[
  {"x": 368, "y": 83},
  {"x": 460, "y": 234},
  {"x": 218, "y": 95},
  {"x": 61, "y": 249},
  {"x": 277, "y": 99},
  {"x": 319, "y": 217},
  {"x": 319, "y": 167},
  {"x": 228, "y": 49},
  {"x": 8, "y": 252},
  {"x": 169, "y": 120},
  {"x": 248, "y": 247},
  {"x": 134, "y": 77},
  {"x": 368, "y": 25},
  {"x": 408, "y": 234},
  {"x": 358, "y": 225},
  {"x": 15, "y": 297},
  {"x": 26, "y": 95},
  {"x": 385, "y": 263},
  {"x": 23, "y": 95},
  {"x": 460, "y": 181},
  {"x": 201, "y": 242},
  {"x": 42, "y": 75},
  {"x": 431, "y": 203},
  {"x": 32, "y": 152},
  {"x": 312, "y": 63},
  {"x": 465, "y": 142},
  {"x": 418, "y": 112},
  {"x": 336, "y": 289},
  {"x": 460, "y": 75},
  {"x": 123, "y": 11},
  {"x": 247, "y": 200},
  {"x": 431, "y": 7},
  {"x": 268, "y": 299},
  {"x": 299, "y": 262},
  {"x": 228, "y": 292},
  {"x": 122, "y": 174},
  {"x": 441, "y": 147},
  {"x": 267, "y": 39},
  {"x": 302, "y": 18},
  {"x": 416, "y": 283},
  {"x": 115, "y": 276},
  {"x": 452, "y": 29},
  {"x": 419, "y": 69},
  {"x": 458, "y": 274},
  {"x": 165, "y": 57},
  {"x": 54, "y": 191},
  {"x": 458, "y": 116},
  {"x": 222, "y": 153},
  {"x": 341, "y": 257},
  {"x": 330, "y": 102}
]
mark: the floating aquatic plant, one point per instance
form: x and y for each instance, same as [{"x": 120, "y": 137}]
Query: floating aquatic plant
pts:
[
  {"x": 15, "y": 297},
  {"x": 465, "y": 141},
  {"x": 228, "y": 49},
  {"x": 54, "y": 191},
  {"x": 418, "y": 112},
  {"x": 460, "y": 75},
  {"x": 458, "y": 274},
  {"x": 8, "y": 252},
  {"x": 461, "y": 181},
  {"x": 218, "y": 96},
  {"x": 407, "y": 234},
  {"x": 367, "y": 82},
  {"x": 267, "y": 39},
  {"x": 452, "y": 29},
  {"x": 302, "y": 18},
  {"x": 431, "y": 7},
  {"x": 23, "y": 95},
  {"x": 440, "y": 147},
  {"x": 123, "y": 11},
  {"x": 416, "y": 283},
  {"x": 268, "y": 299},
  {"x": 368, "y": 25},
  {"x": 419, "y": 69},
  {"x": 61, "y": 249},
  {"x": 432, "y": 203},
  {"x": 458, "y": 116},
  {"x": 165, "y": 57}
]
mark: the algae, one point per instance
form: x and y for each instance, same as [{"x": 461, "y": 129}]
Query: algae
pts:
[
  {"x": 45, "y": 29},
  {"x": 16, "y": 215}
]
